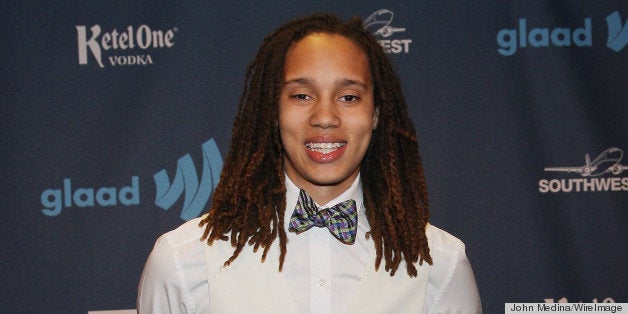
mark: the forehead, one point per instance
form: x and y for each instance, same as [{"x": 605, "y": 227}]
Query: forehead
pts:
[{"x": 326, "y": 52}]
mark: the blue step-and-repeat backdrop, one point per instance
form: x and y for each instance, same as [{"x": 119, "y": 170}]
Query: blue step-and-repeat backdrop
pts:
[{"x": 116, "y": 115}]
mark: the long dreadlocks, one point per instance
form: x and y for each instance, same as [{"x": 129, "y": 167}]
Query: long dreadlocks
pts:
[{"x": 249, "y": 202}]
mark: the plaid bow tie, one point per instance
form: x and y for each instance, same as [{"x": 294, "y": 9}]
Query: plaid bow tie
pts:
[{"x": 341, "y": 219}]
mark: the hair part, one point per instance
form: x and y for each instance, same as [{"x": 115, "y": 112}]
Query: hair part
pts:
[{"x": 249, "y": 202}]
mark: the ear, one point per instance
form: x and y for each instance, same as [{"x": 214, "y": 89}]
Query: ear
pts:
[{"x": 375, "y": 118}]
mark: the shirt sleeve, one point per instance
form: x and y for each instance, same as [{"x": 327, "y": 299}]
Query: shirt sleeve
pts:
[
  {"x": 452, "y": 281},
  {"x": 162, "y": 287}
]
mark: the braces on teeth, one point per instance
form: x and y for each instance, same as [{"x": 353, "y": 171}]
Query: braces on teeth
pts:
[{"x": 324, "y": 148}]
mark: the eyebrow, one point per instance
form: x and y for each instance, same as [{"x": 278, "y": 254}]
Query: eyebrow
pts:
[{"x": 340, "y": 83}]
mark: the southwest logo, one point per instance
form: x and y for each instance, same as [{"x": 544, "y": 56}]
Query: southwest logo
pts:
[{"x": 594, "y": 175}]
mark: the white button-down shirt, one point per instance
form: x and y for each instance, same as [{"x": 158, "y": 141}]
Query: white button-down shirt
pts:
[{"x": 323, "y": 274}]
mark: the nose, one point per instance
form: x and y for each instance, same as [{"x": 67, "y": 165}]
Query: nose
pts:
[{"x": 325, "y": 114}]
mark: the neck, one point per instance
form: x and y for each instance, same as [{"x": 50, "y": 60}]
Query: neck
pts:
[{"x": 323, "y": 194}]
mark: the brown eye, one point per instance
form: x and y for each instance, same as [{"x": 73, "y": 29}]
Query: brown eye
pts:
[
  {"x": 349, "y": 98},
  {"x": 301, "y": 97}
]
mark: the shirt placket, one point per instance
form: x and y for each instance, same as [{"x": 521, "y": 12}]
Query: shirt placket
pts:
[{"x": 320, "y": 258}]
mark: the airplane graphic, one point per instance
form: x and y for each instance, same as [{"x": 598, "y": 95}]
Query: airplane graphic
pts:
[
  {"x": 382, "y": 17},
  {"x": 608, "y": 161}
]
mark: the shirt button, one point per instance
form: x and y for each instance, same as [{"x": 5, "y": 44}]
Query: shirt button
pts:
[{"x": 322, "y": 282}]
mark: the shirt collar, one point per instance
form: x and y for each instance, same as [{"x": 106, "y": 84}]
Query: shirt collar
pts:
[{"x": 353, "y": 192}]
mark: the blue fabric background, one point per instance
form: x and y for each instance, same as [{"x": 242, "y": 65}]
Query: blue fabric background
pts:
[{"x": 489, "y": 125}]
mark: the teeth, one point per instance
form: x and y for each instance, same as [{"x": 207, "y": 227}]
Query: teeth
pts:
[{"x": 324, "y": 148}]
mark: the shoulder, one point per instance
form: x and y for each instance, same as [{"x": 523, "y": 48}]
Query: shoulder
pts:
[
  {"x": 188, "y": 233},
  {"x": 179, "y": 249},
  {"x": 448, "y": 253},
  {"x": 174, "y": 250},
  {"x": 451, "y": 286},
  {"x": 174, "y": 274},
  {"x": 443, "y": 244}
]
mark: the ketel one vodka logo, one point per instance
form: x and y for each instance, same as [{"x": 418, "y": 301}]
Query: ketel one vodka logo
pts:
[
  {"x": 607, "y": 162},
  {"x": 127, "y": 46}
]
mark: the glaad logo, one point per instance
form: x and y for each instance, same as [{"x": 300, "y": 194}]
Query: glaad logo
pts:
[
  {"x": 167, "y": 193},
  {"x": 509, "y": 40},
  {"x": 125, "y": 41},
  {"x": 609, "y": 161},
  {"x": 54, "y": 200},
  {"x": 196, "y": 196},
  {"x": 379, "y": 24},
  {"x": 617, "y": 35}
]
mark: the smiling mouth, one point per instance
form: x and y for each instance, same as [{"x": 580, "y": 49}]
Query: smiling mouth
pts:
[{"x": 324, "y": 148}]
